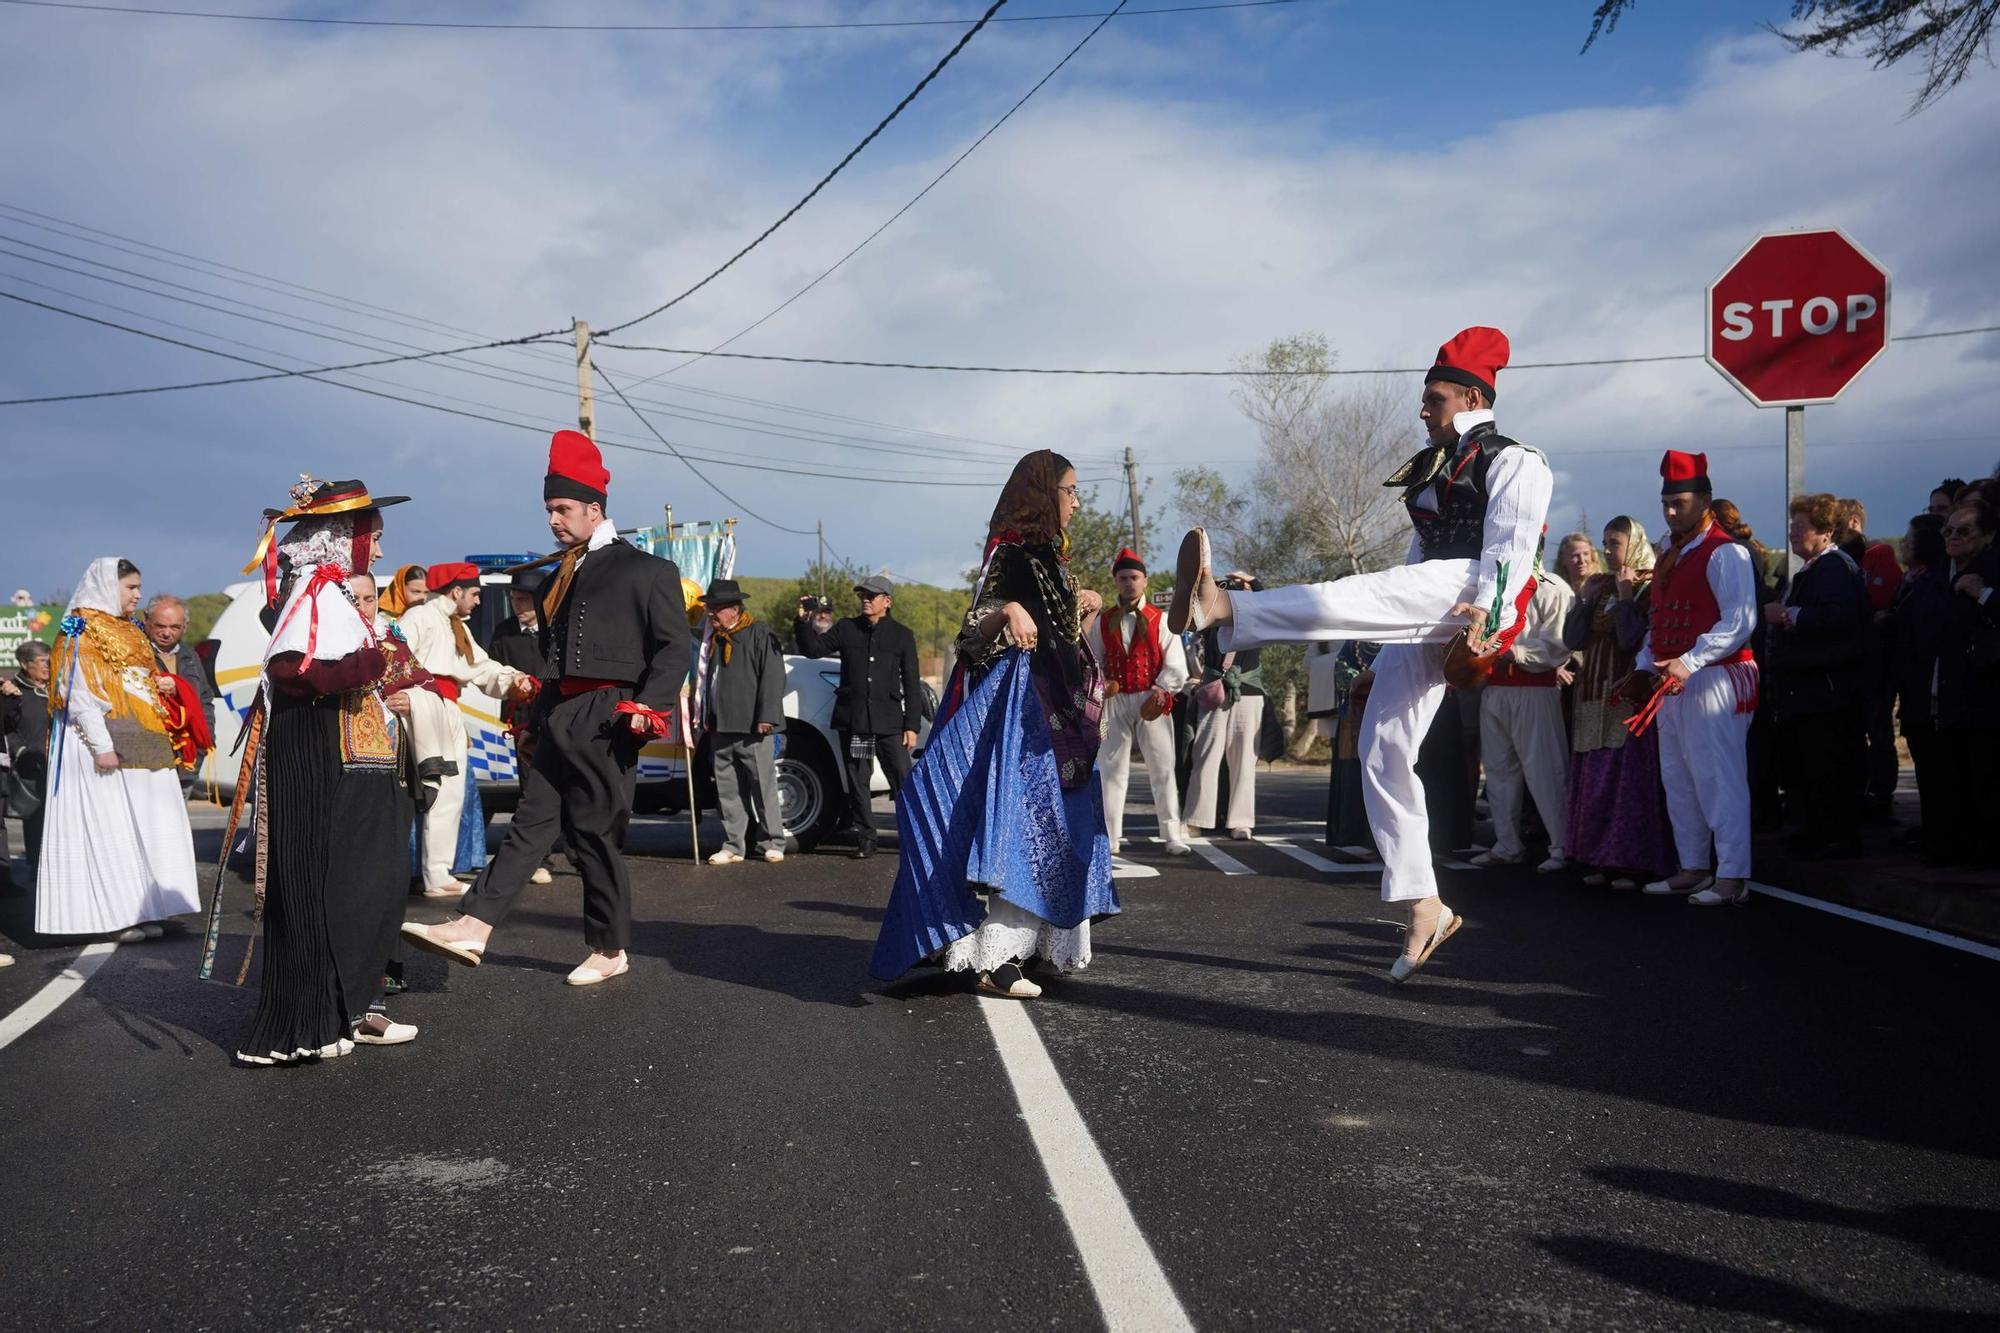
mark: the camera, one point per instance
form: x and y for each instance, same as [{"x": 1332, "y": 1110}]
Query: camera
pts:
[{"x": 816, "y": 605}]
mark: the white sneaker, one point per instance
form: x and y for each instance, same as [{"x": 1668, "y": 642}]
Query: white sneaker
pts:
[
  {"x": 774, "y": 854},
  {"x": 1490, "y": 858},
  {"x": 1176, "y": 847},
  {"x": 725, "y": 857},
  {"x": 1240, "y": 834},
  {"x": 1556, "y": 861},
  {"x": 541, "y": 876},
  {"x": 6, "y": 960},
  {"x": 130, "y": 935},
  {"x": 1114, "y": 846}
]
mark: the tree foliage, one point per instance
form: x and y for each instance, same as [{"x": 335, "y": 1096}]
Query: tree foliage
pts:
[
  {"x": 1947, "y": 35},
  {"x": 1315, "y": 508}
]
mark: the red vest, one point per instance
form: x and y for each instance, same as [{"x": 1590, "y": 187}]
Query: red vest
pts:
[
  {"x": 1684, "y": 606},
  {"x": 1133, "y": 669}
]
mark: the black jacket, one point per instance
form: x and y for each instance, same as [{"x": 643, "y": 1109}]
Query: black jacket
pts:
[
  {"x": 623, "y": 619},
  {"x": 880, "y": 691},
  {"x": 520, "y": 649},
  {"x": 24, "y": 731},
  {"x": 1916, "y": 631},
  {"x": 1817, "y": 662},
  {"x": 750, "y": 687},
  {"x": 1969, "y": 649}
]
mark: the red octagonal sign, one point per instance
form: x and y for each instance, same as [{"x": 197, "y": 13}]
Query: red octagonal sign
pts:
[{"x": 1797, "y": 317}]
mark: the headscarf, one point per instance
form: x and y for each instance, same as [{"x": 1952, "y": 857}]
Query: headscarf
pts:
[
  {"x": 316, "y": 558},
  {"x": 108, "y": 653},
  {"x": 1638, "y": 550},
  {"x": 391, "y": 599},
  {"x": 1030, "y": 506}
]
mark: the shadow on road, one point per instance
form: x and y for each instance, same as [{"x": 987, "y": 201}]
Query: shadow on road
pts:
[
  {"x": 1703, "y": 1284},
  {"x": 1967, "y": 1239}
]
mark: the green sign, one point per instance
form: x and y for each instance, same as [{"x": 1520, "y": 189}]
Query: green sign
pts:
[{"x": 18, "y": 626}]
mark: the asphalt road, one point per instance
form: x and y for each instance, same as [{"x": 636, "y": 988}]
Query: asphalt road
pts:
[{"x": 1591, "y": 1111}]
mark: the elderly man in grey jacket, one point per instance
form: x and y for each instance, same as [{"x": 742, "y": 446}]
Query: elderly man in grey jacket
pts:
[{"x": 746, "y": 705}]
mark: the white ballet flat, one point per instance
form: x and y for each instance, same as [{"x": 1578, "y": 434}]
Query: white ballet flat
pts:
[
  {"x": 1665, "y": 887},
  {"x": 1447, "y": 926},
  {"x": 586, "y": 975},
  {"x": 459, "y": 951}
]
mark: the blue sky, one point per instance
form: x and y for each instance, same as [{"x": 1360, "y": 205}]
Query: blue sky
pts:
[{"x": 1189, "y": 188}]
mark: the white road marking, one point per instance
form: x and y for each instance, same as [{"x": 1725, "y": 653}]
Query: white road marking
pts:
[
  {"x": 1317, "y": 862},
  {"x": 1123, "y": 869},
  {"x": 1886, "y": 923},
  {"x": 1365, "y": 853},
  {"x": 50, "y": 997},
  {"x": 1131, "y": 1288},
  {"x": 1220, "y": 859}
]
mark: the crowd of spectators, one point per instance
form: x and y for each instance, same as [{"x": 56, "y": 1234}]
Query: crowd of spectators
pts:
[{"x": 1858, "y": 642}]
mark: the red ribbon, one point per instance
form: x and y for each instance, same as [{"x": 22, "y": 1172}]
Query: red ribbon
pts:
[
  {"x": 653, "y": 717},
  {"x": 1639, "y": 721}
]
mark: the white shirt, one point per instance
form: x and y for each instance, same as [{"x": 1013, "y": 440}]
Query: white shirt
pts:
[
  {"x": 1173, "y": 659},
  {"x": 427, "y": 629}
]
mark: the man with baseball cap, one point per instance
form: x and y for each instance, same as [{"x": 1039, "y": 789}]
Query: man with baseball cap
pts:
[
  {"x": 879, "y": 703},
  {"x": 442, "y": 644},
  {"x": 746, "y": 706}
]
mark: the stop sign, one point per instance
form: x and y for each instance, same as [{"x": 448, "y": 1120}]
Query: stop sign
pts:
[{"x": 1797, "y": 316}]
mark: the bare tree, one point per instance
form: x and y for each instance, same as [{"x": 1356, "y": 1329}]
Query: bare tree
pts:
[
  {"x": 1948, "y": 34},
  {"x": 1315, "y": 508}
]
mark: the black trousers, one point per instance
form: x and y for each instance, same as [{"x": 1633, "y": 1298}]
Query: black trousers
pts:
[
  {"x": 1882, "y": 763},
  {"x": 1965, "y": 790},
  {"x": 1826, "y": 754},
  {"x": 895, "y": 767},
  {"x": 1921, "y": 737},
  {"x": 579, "y": 788}
]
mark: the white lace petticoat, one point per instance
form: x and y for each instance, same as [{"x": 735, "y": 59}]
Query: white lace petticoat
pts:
[{"x": 1011, "y": 935}]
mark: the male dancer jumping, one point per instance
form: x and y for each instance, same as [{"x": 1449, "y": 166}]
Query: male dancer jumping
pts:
[
  {"x": 1479, "y": 502},
  {"x": 615, "y": 633}
]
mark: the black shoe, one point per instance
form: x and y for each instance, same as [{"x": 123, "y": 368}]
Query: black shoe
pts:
[{"x": 862, "y": 851}]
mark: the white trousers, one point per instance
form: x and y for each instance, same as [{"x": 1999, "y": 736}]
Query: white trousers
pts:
[
  {"x": 1404, "y": 609},
  {"x": 1523, "y": 746},
  {"x": 1705, "y": 768},
  {"x": 1407, "y": 604},
  {"x": 1114, "y": 764},
  {"x": 440, "y": 840},
  {"x": 1226, "y": 733},
  {"x": 1409, "y": 687}
]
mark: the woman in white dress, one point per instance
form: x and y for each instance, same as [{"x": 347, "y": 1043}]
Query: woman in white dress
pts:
[{"x": 117, "y": 854}]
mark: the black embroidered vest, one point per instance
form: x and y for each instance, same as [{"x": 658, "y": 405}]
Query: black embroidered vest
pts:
[{"x": 1458, "y": 530}]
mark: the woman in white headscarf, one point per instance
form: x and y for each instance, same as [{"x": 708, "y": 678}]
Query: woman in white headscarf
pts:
[{"x": 117, "y": 855}]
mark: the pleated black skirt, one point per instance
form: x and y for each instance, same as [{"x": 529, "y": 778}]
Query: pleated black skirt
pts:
[{"x": 335, "y": 883}]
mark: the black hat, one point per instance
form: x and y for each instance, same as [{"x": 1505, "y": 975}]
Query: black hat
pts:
[
  {"x": 529, "y": 580},
  {"x": 723, "y": 592}
]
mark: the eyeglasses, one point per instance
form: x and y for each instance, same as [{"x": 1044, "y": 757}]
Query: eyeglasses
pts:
[
  {"x": 868, "y": 596},
  {"x": 1070, "y": 491},
  {"x": 1962, "y": 530}
]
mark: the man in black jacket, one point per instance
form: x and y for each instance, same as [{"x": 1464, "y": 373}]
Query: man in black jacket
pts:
[
  {"x": 1817, "y": 651},
  {"x": 745, "y": 705},
  {"x": 516, "y": 643},
  {"x": 614, "y": 629},
  {"x": 880, "y": 700}
]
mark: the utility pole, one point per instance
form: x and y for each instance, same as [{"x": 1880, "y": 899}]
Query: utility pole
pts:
[
  {"x": 586, "y": 405},
  {"x": 820, "y": 527},
  {"x": 1132, "y": 489},
  {"x": 1795, "y": 470}
]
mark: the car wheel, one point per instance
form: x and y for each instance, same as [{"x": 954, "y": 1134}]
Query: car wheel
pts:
[{"x": 809, "y": 791}]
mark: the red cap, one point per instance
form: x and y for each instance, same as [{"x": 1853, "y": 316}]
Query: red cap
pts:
[
  {"x": 451, "y": 574},
  {"x": 1681, "y": 472},
  {"x": 576, "y": 469},
  {"x": 1128, "y": 559},
  {"x": 1474, "y": 358}
]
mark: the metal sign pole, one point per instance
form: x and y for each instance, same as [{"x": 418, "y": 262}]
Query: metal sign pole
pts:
[{"x": 1795, "y": 473}]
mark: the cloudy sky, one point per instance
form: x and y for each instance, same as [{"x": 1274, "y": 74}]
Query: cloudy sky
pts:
[{"x": 1188, "y": 188}]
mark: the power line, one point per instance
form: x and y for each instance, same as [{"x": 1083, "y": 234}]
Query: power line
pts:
[
  {"x": 319, "y": 376},
  {"x": 473, "y": 26},
  {"x": 838, "y": 167},
  {"x": 918, "y": 198},
  {"x": 647, "y": 423},
  {"x": 354, "y": 306},
  {"x": 1209, "y": 374}
]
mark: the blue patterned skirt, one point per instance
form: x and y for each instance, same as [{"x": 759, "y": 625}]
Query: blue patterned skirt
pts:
[{"x": 985, "y": 806}]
